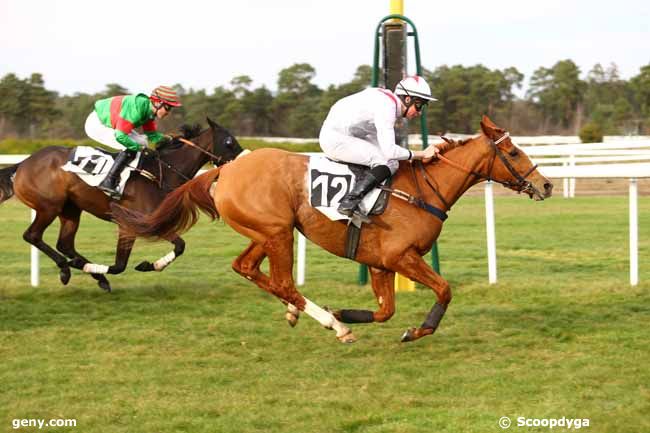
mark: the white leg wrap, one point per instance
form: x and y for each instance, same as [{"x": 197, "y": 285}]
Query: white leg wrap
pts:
[
  {"x": 324, "y": 318},
  {"x": 163, "y": 262},
  {"x": 293, "y": 310},
  {"x": 92, "y": 268}
]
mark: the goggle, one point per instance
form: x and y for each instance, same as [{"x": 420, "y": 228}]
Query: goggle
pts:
[
  {"x": 419, "y": 104},
  {"x": 167, "y": 107}
]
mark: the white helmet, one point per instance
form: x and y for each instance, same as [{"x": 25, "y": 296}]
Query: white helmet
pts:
[{"x": 415, "y": 87}]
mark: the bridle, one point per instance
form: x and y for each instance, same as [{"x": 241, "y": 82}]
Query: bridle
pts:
[
  {"x": 214, "y": 159},
  {"x": 521, "y": 184}
]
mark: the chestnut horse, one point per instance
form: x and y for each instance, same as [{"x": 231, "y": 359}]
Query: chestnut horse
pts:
[
  {"x": 41, "y": 184},
  {"x": 264, "y": 197}
]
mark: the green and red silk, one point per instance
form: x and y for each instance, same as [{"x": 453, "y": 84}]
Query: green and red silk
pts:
[{"x": 126, "y": 112}]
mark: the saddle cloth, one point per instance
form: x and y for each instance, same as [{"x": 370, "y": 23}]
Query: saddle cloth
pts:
[
  {"x": 329, "y": 181},
  {"x": 92, "y": 165}
]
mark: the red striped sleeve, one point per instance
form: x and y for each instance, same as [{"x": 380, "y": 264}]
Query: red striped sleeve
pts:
[
  {"x": 123, "y": 125},
  {"x": 150, "y": 126}
]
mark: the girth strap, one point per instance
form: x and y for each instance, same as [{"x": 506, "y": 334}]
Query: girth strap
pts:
[{"x": 438, "y": 213}]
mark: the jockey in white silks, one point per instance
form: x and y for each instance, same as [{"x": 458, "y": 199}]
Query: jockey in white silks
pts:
[{"x": 360, "y": 129}]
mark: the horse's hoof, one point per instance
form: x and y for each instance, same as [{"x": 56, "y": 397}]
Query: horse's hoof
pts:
[
  {"x": 291, "y": 319},
  {"x": 105, "y": 285},
  {"x": 409, "y": 335},
  {"x": 347, "y": 338},
  {"x": 145, "y": 267},
  {"x": 64, "y": 275}
]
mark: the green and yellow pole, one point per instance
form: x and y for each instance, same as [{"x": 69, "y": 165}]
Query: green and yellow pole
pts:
[
  {"x": 397, "y": 7},
  {"x": 402, "y": 284}
]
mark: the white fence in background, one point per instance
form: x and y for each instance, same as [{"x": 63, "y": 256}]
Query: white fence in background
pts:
[
  {"x": 621, "y": 158},
  {"x": 625, "y": 158}
]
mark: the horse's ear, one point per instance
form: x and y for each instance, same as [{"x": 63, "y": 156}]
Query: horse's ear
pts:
[
  {"x": 489, "y": 128},
  {"x": 485, "y": 126},
  {"x": 212, "y": 123}
]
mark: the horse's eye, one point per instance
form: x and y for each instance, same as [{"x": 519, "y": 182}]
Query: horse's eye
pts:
[
  {"x": 228, "y": 141},
  {"x": 513, "y": 152}
]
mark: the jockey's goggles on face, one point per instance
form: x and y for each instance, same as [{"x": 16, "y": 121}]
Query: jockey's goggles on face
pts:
[
  {"x": 419, "y": 104},
  {"x": 167, "y": 107}
]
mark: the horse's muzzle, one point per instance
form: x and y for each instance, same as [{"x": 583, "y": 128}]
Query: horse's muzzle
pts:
[{"x": 539, "y": 189}]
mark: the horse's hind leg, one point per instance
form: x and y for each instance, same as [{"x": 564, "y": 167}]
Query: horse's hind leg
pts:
[
  {"x": 34, "y": 236},
  {"x": 414, "y": 267},
  {"x": 247, "y": 264},
  {"x": 69, "y": 219},
  {"x": 279, "y": 249},
  {"x": 383, "y": 287},
  {"x": 160, "y": 264}
]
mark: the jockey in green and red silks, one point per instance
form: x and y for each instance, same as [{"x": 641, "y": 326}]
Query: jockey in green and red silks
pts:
[
  {"x": 114, "y": 120},
  {"x": 125, "y": 113}
]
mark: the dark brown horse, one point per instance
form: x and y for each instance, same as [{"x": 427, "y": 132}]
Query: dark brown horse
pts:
[
  {"x": 41, "y": 184},
  {"x": 264, "y": 196}
]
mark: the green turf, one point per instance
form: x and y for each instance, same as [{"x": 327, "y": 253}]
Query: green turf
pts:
[{"x": 199, "y": 349}]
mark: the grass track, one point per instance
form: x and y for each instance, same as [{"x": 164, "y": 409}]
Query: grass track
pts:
[{"x": 199, "y": 349}]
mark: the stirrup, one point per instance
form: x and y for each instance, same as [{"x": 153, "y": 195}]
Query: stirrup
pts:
[
  {"x": 112, "y": 193},
  {"x": 357, "y": 218},
  {"x": 349, "y": 211}
]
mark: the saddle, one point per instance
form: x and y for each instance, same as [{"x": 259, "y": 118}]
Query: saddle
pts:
[
  {"x": 92, "y": 164},
  {"x": 330, "y": 181}
]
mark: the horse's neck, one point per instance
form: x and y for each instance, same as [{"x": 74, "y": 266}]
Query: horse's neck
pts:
[
  {"x": 185, "y": 160},
  {"x": 452, "y": 182}
]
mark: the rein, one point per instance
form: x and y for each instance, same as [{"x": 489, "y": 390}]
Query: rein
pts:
[
  {"x": 215, "y": 159},
  {"x": 522, "y": 185}
]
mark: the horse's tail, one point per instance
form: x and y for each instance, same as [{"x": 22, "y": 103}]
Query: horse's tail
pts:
[
  {"x": 7, "y": 182},
  {"x": 177, "y": 213}
]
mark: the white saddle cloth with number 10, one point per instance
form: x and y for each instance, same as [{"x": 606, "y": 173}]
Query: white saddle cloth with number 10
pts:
[{"x": 92, "y": 165}]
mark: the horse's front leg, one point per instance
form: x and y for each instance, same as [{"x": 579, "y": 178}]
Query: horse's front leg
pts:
[
  {"x": 414, "y": 267},
  {"x": 383, "y": 282},
  {"x": 124, "y": 246},
  {"x": 160, "y": 264}
]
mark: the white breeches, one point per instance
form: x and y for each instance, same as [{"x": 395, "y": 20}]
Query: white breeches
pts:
[
  {"x": 345, "y": 148},
  {"x": 96, "y": 130}
]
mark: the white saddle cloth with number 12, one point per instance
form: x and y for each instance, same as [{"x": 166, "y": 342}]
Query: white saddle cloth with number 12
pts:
[{"x": 328, "y": 182}]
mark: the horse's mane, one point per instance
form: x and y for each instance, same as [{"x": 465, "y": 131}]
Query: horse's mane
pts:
[
  {"x": 187, "y": 132},
  {"x": 452, "y": 144}
]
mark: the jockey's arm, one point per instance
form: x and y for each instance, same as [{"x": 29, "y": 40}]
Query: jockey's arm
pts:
[
  {"x": 151, "y": 131},
  {"x": 126, "y": 141},
  {"x": 385, "y": 122},
  {"x": 427, "y": 154},
  {"x": 386, "y": 139}
]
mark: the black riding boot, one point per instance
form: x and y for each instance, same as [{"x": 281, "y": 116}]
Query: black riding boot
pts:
[
  {"x": 351, "y": 201},
  {"x": 110, "y": 182}
]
